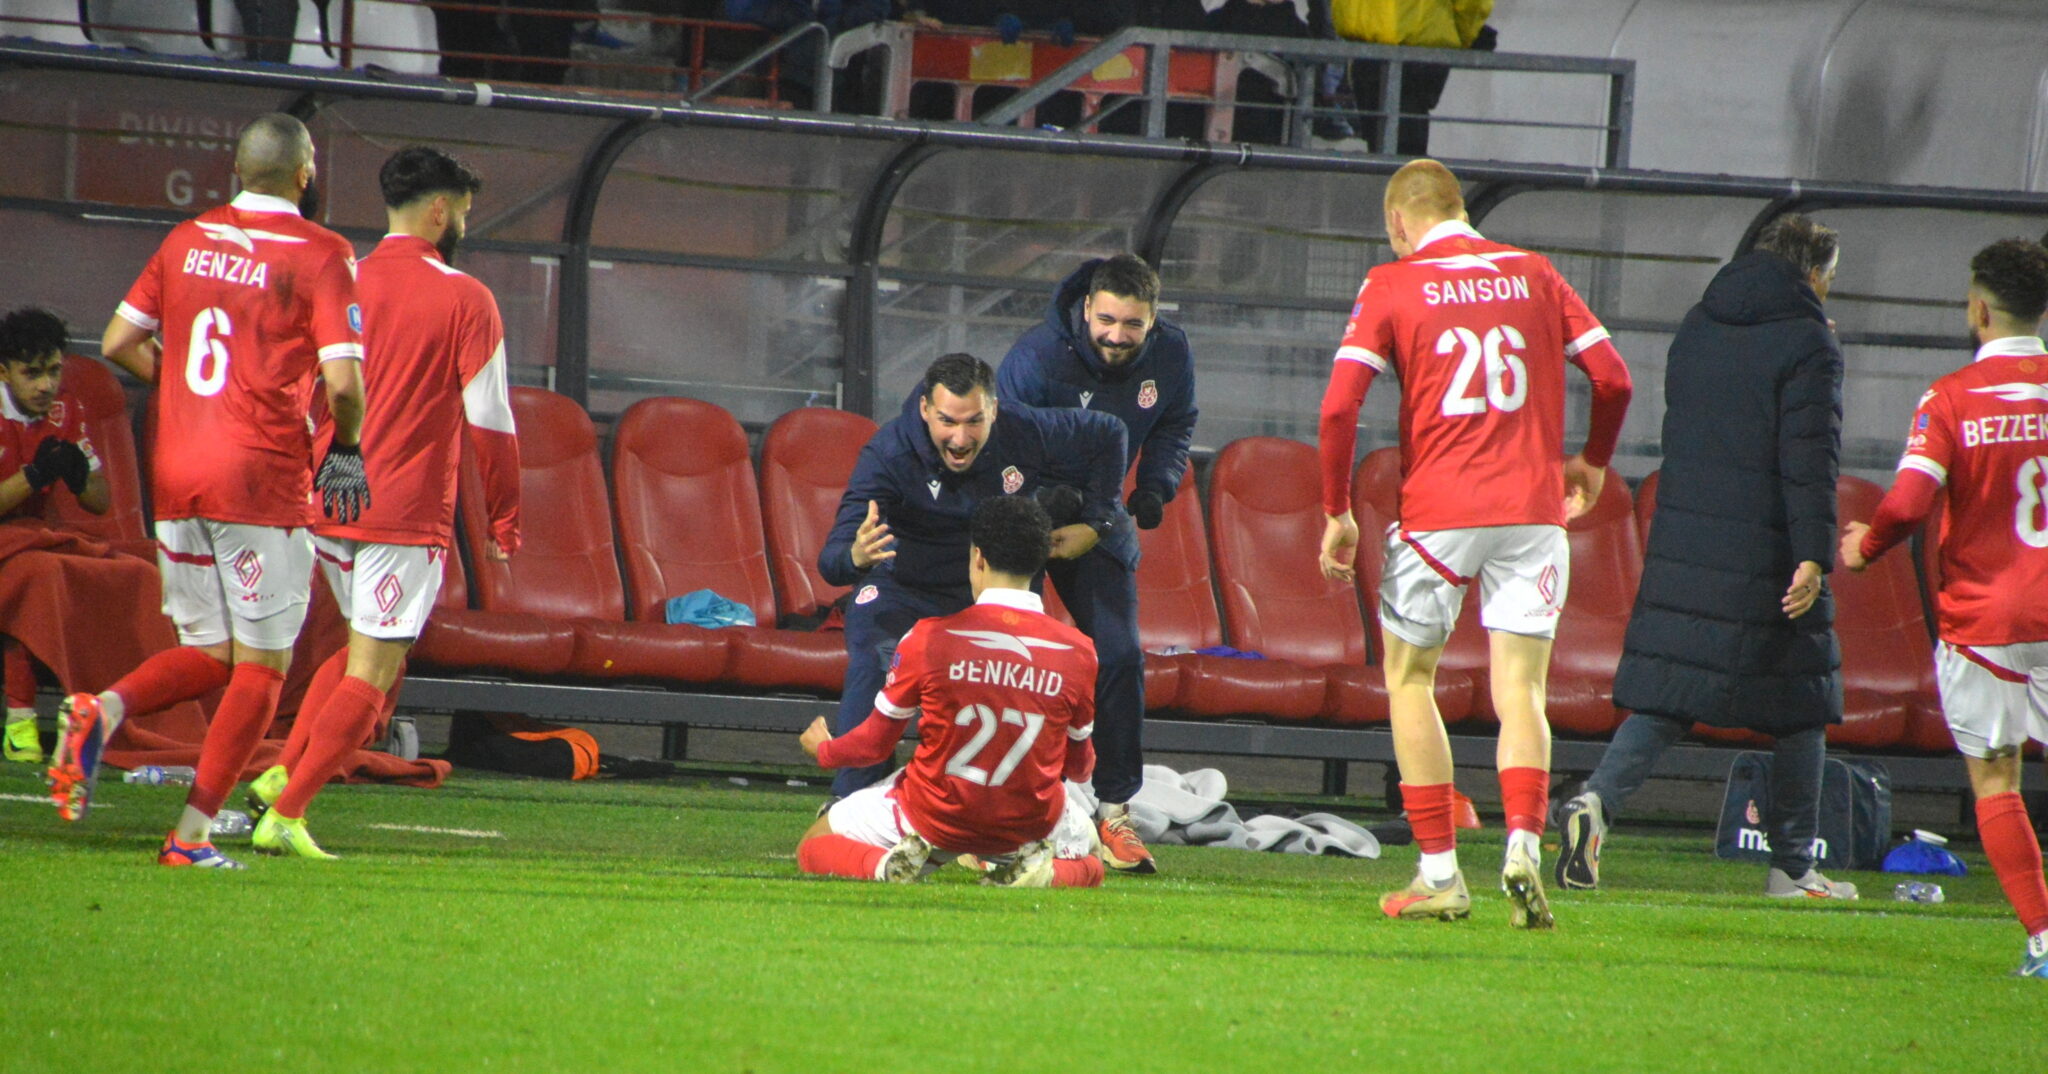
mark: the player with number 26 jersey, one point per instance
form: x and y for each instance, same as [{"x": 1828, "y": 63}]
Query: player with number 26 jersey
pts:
[
  {"x": 1004, "y": 696},
  {"x": 1478, "y": 332},
  {"x": 249, "y": 298}
]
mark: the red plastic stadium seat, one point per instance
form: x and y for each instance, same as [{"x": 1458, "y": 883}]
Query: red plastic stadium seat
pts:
[
  {"x": 457, "y": 638},
  {"x": 807, "y": 457},
  {"x": 113, "y": 440},
  {"x": 1887, "y": 661},
  {"x": 1266, "y": 524},
  {"x": 566, "y": 568},
  {"x": 689, "y": 518},
  {"x": 1461, "y": 680},
  {"x": 1607, "y": 567},
  {"x": 1176, "y": 598}
]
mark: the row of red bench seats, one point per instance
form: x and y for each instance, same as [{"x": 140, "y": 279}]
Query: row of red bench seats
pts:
[{"x": 685, "y": 509}]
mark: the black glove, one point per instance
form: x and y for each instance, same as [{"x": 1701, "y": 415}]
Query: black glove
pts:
[
  {"x": 1062, "y": 504},
  {"x": 344, "y": 490},
  {"x": 1146, "y": 509},
  {"x": 53, "y": 463}
]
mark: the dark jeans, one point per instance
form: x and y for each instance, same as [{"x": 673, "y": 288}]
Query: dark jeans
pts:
[
  {"x": 1796, "y": 761},
  {"x": 1102, "y": 595}
]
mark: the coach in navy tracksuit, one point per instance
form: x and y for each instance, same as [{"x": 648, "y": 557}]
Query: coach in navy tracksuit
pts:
[
  {"x": 901, "y": 534},
  {"x": 1103, "y": 348}
]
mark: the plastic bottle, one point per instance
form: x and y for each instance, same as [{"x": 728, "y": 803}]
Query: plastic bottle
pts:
[
  {"x": 1918, "y": 891},
  {"x": 156, "y": 775},
  {"x": 232, "y": 822}
]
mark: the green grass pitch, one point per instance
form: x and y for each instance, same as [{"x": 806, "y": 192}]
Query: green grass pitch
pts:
[{"x": 613, "y": 927}]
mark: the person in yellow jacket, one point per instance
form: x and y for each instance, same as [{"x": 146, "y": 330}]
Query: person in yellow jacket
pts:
[{"x": 1420, "y": 23}]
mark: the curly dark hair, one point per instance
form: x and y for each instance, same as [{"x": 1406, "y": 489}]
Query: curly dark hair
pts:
[
  {"x": 1013, "y": 533},
  {"x": 2014, "y": 272},
  {"x": 29, "y": 333},
  {"x": 961, "y": 374},
  {"x": 418, "y": 171}
]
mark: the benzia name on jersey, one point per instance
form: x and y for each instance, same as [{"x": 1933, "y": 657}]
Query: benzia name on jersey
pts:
[
  {"x": 225, "y": 266},
  {"x": 1483, "y": 289}
]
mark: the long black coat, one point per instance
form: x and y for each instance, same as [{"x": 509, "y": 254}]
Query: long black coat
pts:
[{"x": 1752, "y": 439}]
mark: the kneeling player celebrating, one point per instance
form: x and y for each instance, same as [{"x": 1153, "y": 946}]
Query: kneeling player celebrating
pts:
[{"x": 1006, "y": 701}]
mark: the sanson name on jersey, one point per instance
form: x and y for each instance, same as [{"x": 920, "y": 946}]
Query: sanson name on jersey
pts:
[
  {"x": 1482, "y": 289},
  {"x": 220, "y": 265}
]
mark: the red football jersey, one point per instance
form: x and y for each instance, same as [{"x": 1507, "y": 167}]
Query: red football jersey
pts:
[
  {"x": 998, "y": 689},
  {"x": 21, "y": 435},
  {"x": 1983, "y": 431},
  {"x": 249, "y": 298},
  {"x": 1479, "y": 333},
  {"x": 434, "y": 357}
]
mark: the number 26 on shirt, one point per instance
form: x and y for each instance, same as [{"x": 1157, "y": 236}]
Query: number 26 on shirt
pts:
[{"x": 1506, "y": 379}]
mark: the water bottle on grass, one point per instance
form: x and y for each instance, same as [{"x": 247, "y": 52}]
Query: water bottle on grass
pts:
[
  {"x": 156, "y": 775},
  {"x": 1918, "y": 891}
]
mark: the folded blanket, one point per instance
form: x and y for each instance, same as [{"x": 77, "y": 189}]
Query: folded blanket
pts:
[{"x": 1176, "y": 809}]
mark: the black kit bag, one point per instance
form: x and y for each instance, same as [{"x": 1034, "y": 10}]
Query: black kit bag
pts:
[{"x": 1855, "y": 813}]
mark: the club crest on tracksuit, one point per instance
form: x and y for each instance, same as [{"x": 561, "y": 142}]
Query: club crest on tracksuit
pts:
[
  {"x": 1148, "y": 395},
  {"x": 1013, "y": 479},
  {"x": 867, "y": 594}
]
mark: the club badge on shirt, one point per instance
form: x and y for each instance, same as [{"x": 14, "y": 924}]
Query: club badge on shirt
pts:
[
  {"x": 1013, "y": 479},
  {"x": 56, "y": 414},
  {"x": 1148, "y": 395}
]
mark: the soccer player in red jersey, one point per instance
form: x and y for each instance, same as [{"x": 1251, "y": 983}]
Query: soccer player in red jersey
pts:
[
  {"x": 42, "y": 443},
  {"x": 1479, "y": 333},
  {"x": 1981, "y": 432},
  {"x": 1004, "y": 696},
  {"x": 434, "y": 367},
  {"x": 254, "y": 304}
]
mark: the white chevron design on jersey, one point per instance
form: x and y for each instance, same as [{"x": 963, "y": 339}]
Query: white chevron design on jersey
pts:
[
  {"x": 2015, "y": 392},
  {"x": 246, "y": 239},
  {"x": 1473, "y": 261},
  {"x": 1008, "y": 643}
]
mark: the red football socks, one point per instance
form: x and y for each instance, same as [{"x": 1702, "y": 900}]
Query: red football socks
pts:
[
  {"x": 20, "y": 674},
  {"x": 339, "y": 728},
  {"x": 1429, "y": 808},
  {"x": 2015, "y": 855},
  {"x": 231, "y": 738},
  {"x": 318, "y": 689},
  {"x": 1524, "y": 796},
  {"x": 171, "y": 676},
  {"x": 833, "y": 854},
  {"x": 1077, "y": 873}
]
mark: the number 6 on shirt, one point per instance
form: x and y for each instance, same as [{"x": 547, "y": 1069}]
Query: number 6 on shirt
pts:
[{"x": 209, "y": 334}]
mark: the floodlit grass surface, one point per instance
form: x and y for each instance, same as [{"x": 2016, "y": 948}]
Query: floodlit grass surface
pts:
[{"x": 664, "y": 927}]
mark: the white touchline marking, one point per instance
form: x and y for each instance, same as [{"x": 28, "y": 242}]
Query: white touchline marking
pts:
[
  {"x": 466, "y": 833},
  {"x": 42, "y": 798}
]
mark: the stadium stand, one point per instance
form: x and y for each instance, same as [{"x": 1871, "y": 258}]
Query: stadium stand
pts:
[{"x": 55, "y": 21}]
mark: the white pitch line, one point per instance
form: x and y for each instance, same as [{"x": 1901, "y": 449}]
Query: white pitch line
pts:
[
  {"x": 466, "y": 833},
  {"x": 42, "y": 798}
]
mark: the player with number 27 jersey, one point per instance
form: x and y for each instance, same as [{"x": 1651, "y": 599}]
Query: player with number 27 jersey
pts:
[
  {"x": 1004, "y": 696},
  {"x": 249, "y": 298},
  {"x": 1478, "y": 332}
]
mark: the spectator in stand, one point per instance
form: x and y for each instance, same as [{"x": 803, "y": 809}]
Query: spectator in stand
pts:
[
  {"x": 800, "y": 59},
  {"x": 1420, "y": 23},
  {"x": 1732, "y": 625},
  {"x": 42, "y": 446}
]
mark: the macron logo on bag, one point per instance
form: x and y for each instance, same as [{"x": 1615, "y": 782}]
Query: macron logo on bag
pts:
[{"x": 1008, "y": 643}]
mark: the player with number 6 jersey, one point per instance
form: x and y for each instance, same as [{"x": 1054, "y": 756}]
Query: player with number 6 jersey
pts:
[
  {"x": 1004, "y": 699},
  {"x": 253, "y": 303},
  {"x": 1479, "y": 333}
]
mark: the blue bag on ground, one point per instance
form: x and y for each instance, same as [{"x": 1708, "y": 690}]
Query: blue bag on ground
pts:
[
  {"x": 1925, "y": 858},
  {"x": 705, "y": 608}
]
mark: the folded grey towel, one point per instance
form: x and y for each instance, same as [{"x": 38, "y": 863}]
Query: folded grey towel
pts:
[{"x": 1189, "y": 809}]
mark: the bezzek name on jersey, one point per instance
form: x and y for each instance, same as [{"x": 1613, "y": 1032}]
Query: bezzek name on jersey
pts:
[
  {"x": 1005, "y": 673},
  {"x": 2004, "y": 429},
  {"x": 233, "y": 268},
  {"x": 1477, "y": 289}
]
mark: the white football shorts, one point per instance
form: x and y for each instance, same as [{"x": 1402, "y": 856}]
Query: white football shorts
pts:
[
  {"x": 1523, "y": 573},
  {"x": 871, "y": 815},
  {"x": 232, "y": 579},
  {"x": 1995, "y": 697},
  {"x": 385, "y": 590}
]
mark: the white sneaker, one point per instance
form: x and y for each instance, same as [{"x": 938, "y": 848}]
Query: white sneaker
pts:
[
  {"x": 904, "y": 863},
  {"x": 1777, "y": 885}
]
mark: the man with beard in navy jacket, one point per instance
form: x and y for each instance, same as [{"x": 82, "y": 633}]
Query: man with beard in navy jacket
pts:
[
  {"x": 901, "y": 534},
  {"x": 1103, "y": 348}
]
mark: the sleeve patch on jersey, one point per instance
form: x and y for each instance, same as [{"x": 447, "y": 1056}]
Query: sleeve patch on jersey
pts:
[
  {"x": 1587, "y": 340},
  {"x": 355, "y": 318},
  {"x": 1362, "y": 356},
  {"x": 486, "y": 400},
  {"x": 1926, "y": 466},
  {"x": 136, "y": 317}
]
